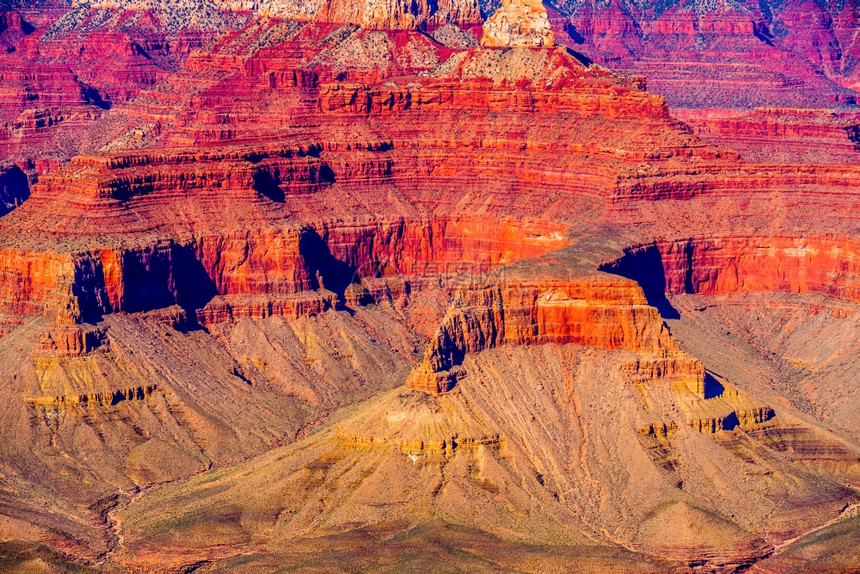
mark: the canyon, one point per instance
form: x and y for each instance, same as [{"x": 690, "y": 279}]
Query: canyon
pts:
[
  {"x": 431, "y": 285},
  {"x": 726, "y": 54}
]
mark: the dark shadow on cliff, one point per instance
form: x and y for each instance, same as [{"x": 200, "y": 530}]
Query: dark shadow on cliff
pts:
[
  {"x": 151, "y": 279},
  {"x": 581, "y": 58},
  {"x": 325, "y": 174},
  {"x": 763, "y": 33},
  {"x": 574, "y": 34},
  {"x": 267, "y": 185},
  {"x": 645, "y": 266},
  {"x": 268, "y": 182},
  {"x": 94, "y": 97},
  {"x": 731, "y": 422},
  {"x": 194, "y": 287},
  {"x": 326, "y": 271},
  {"x": 14, "y": 188},
  {"x": 853, "y": 132},
  {"x": 713, "y": 387},
  {"x": 147, "y": 280}
]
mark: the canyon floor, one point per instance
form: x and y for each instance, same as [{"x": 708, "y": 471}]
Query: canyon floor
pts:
[{"x": 453, "y": 286}]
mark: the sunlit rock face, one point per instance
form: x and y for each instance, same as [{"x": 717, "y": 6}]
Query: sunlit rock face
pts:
[
  {"x": 375, "y": 14},
  {"x": 518, "y": 24}
]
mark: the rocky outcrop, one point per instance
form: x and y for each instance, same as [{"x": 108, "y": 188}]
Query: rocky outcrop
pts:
[
  {"x": 518, "y": 24},
  {"x": 72, "y": 341},
  {"x": 232, "y": 308},
  {"x": 400, "y": 14},
  {"x": 687, "y": 372},
  {"x": 726, "y": 411},
  {"x": 96, "y": 399},
  {"x": 595, "y": 311}
]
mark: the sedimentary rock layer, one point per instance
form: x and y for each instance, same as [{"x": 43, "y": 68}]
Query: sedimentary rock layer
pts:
[
  {"x": 559, "y": 306},
  {"x": 736, "y": 55},
  {"x": 781, "y": 135},
  {"x": 721, "y": 265},
  {"x": 382, "y": 14},
  {"x": 518, "y": 23}
]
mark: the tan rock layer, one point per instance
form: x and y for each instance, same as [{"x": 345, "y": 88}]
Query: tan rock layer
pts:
[
  {"x": 93, "y": 399},
  {"x": 375, "y": 14},
  {"x": 518, "y": 23}
]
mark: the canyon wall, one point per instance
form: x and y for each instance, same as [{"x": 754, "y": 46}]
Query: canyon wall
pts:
[
  {"x": 780, "y": 135},
  {"x": 722, "y": 265},
  {"x": 364, "y": 189},
  {"x": 736, "y": 55},
  {"x": 273, "y": 265},
  {"x": 150, "y": 228},
  {"x": 374, "y": 14}
]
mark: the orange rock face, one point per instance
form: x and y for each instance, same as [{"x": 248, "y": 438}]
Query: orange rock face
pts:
[
  {"x": 294, "y": 192},
  {"x": 398, "y": 14},
  {"x": 770, "y": 135},
  {"x": 720, "y": 265}
]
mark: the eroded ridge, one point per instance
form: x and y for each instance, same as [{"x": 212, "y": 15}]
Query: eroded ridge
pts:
[{"x": 552, "y": 303}]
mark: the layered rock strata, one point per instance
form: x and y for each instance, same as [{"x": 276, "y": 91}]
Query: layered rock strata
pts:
[
  {"x": 157, "y": 258},
  {"x": 721, "y": 265},
  {"x": 783, "y": 135},
  {"x": 375, "y": 14},
  {"x": 558, "y": 306},
  {"x": 735, "y": 55}
]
